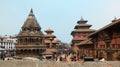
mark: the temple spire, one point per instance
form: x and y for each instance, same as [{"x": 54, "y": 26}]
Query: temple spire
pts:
[{"x": 31, "y": 11}]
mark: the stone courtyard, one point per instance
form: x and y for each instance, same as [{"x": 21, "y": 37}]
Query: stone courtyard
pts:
[{"x": 31, "y": 63}]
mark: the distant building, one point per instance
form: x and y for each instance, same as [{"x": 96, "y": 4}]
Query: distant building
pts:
[
  {"x": 81, "y": 43},
  {"x": 107, "y": 41},
  {"x": 8, "y": 42}
]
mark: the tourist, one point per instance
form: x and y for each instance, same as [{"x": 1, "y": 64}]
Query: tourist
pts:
[
  {"x": 63, "y": 57},
  {"x": 58, "y": 58},
  {"x": 68, "y": 59}
]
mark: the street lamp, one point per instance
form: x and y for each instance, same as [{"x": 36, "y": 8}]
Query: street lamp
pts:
[{"x": 51, "y": 39}]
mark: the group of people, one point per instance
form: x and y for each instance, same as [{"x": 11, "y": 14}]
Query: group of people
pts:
[{"x": 66, "y": 57}]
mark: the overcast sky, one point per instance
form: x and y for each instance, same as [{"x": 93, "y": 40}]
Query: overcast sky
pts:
[{"x": 60, "y": 15}]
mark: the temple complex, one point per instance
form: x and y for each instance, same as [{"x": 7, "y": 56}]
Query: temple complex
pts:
[
  {"x": 107, "y": 41},
  {"x": 81, "y": 43},
  {"x": 30, "y": 38}
]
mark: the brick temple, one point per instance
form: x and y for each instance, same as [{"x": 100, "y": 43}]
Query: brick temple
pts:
[{"x": 81, "y": 43}]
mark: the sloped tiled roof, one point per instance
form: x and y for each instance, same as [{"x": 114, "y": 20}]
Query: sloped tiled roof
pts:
[
  {"x": 88, "y": 41},
  {"x": 106, "y": 27},
  {"x": 84, "y": 25},
  {"x": 83, "y": 30}
]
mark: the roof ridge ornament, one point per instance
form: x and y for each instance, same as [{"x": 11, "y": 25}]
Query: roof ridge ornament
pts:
[{"x": 114, "y": 19}]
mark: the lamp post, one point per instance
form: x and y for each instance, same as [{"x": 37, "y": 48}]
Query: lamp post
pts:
[{"x": 51, "y": 39}]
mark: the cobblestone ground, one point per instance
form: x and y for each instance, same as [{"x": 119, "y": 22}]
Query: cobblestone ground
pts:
[{"x": 30, "y": 63}]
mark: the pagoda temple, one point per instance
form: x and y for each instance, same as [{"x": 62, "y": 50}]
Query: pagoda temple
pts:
[
  {"x": 80, "y": 42},
  {"x": 81, "y": 32},
  {"x": 51, "y": 44},
  {"x": 50, "y": 40},
  {"x": 30, "y": 38}
]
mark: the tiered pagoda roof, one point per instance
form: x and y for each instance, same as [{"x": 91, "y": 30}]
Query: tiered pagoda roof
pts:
[
  {"x": 81, "y": 32},
  {"x": 49, "y": 34},
  {"x": 82, "y": 27},
  {"x": 113, "y": 23}
]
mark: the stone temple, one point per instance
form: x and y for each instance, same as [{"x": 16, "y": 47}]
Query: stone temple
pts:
[{"x": 30, "y": 38}]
